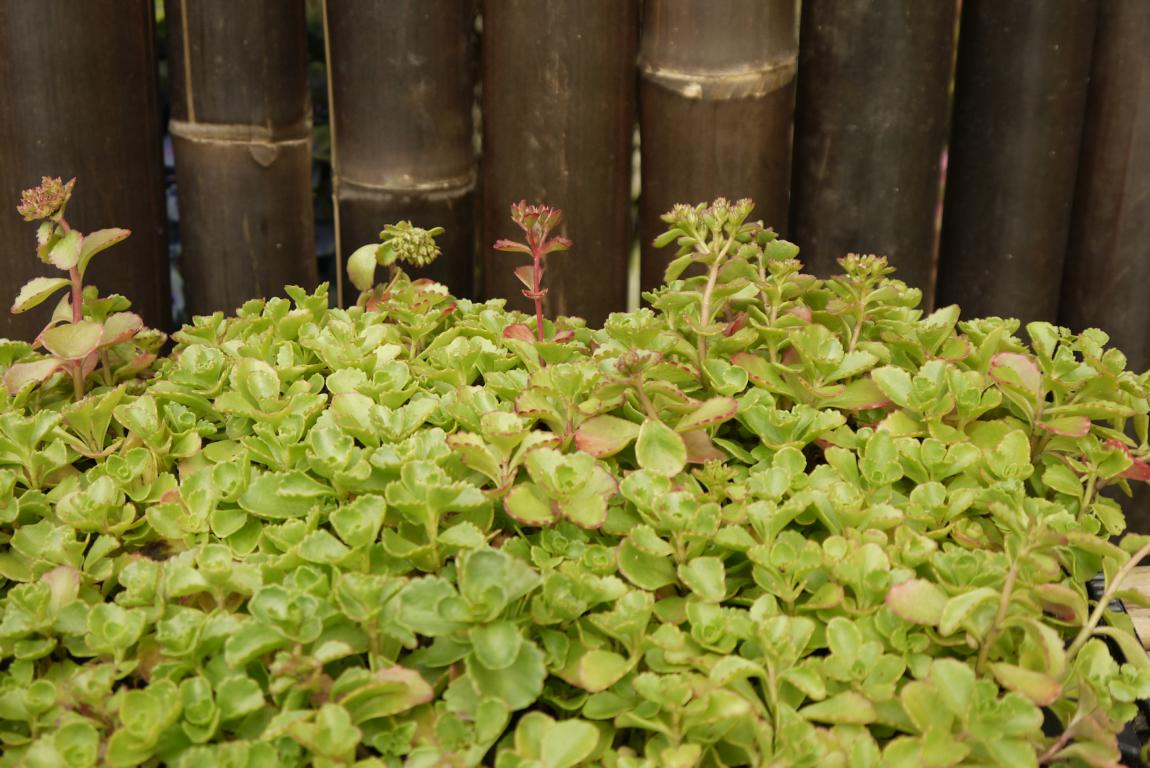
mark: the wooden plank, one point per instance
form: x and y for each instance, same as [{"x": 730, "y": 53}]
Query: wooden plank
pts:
[
  {"x": 1108, "y": 262},
  {"x": 558, "y": 116},
  {"x": 716, "y": 100},
  {"x": 78, "y": 97},
  {"x": 1020, "y": 97},
  {"x": 870, "y": 126},
  {"x": 401, "y": 78},
  {"x": 241, "y": 131}
]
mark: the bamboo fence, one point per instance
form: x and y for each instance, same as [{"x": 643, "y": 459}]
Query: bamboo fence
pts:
[
  {"x": 1019, "y": 101},
  {"x": 78, "y": 98},
  {"x": 401, "y": 79},
  {"x": 241, "y": 130},
  {"x": 445, "y": 112},
  {"x": 870, "y": 128},
  {"x": 558, "y": 113},
  {"x": 716, "y": 103}
]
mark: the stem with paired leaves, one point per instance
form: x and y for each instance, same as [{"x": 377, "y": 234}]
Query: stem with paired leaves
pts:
[{"x": 536, "y": 221}]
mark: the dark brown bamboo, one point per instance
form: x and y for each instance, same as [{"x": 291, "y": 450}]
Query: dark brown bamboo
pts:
[
  {"x": 1108, "y": 260},
  {"x": 716, "y": 98},
  {"x": 402, "y": 88},
  {"x": 1020, "y": 96},
  {"x": 78, "y": 97},
  {"x": 241, "y": 130},
  {"x": 870, "y": 127},
  {"x": 558, "y": 114}
]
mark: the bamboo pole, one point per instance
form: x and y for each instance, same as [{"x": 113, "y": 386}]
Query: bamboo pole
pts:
[
  {"x": 1108, "y": 260},
  {"x": 1020, "y": 96},
  {"x": 78, "y": 97},
  {"x": 558, "y": 112},
  {"x": 716, "y": 98},
  {"x": 870, "y": 127},
  {"x": 241, "y": 131},
  {"x": 401, "y": 92}
]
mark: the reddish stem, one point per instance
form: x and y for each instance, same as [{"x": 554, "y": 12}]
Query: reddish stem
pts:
[
  {"x": 77, "y": 294},
  {"x": 535, "y": 289}
]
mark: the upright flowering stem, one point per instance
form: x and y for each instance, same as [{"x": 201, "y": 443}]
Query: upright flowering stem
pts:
[{"x": 536, "y": 221}]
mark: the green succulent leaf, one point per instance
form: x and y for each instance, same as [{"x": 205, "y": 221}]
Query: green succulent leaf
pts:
[
  {"x": 660, "y": 449},
  {"x": 36, "y": 291}
]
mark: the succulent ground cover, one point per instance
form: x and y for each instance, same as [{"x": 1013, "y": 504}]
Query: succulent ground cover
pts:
[{"x": 769, "y": 520}]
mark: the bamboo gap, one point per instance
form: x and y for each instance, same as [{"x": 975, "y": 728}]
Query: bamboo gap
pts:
[
  {"x": 558, "y": 112},
  {"x": 79, "y": 97},
  {"x": 402, "y": 88},
  {"x": 870, "y": 127},
  {"x": 241, "y": 132},
  {"x": 716, "y": 98},
  {"x": 1020, "y": 97},
  {"x": 1108, "y": 260}
]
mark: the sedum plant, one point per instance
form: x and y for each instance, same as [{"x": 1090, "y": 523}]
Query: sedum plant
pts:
[
  {"x": 769, "y": 520},
  {"x": 536, "y": 221},
  {"x": 87, "y": 335}
]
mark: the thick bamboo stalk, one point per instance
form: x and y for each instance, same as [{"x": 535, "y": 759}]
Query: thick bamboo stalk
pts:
[
  {"x": 1020, "y": 96},
  {"x": 716, "y": 98},
  {"x": 1108, "y": 260},
  {"x": 870, "y": 127},
  {"x": 402, "y": 89},
  {"x": 78, "y": 97},
  {"x": 241, "y": 130},
  {"x": 558, "y": 113}
]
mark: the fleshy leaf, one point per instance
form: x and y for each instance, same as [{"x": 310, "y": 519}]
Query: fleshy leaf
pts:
[
  {"x": 21, "y": 374},
  {"x": 528, "y": 504},
  {"x": 73, "y": 341},
  {"x": 1040, "y": 688},
  {"x": 714, "y": 411},
  {"x": 605, "y": 435},
  {"x": 94, "y": 242},
  {"x": 1018, "y": 371},
  {"x": 361, "y": 266},
  {"x": 917, "y": 601},
  {"x": 660, "y": 449},
  {"x": 65, "y": 253},
  {"x": 36, "y": 291}
]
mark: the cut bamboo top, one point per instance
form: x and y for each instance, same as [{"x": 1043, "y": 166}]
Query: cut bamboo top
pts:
[{"x": 688, "y": 47}]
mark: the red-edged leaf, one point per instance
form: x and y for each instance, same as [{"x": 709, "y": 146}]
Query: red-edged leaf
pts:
[
  {"x": 511, "y": 246},
  {"x": 74, "y": 341},
  {"x": 757, "y": 368},
  {"x": 1016, "y": 370},
  {"x": 1138, "y": 470},
  {"x": 526, "y": 274},
  {"x": 859, "y": 395},
  {"x": 97, "y": 241},
  {"x": 558, "y": 243},
  {"x": 802, "y": 312},
  {"x": 917, "y": 601},
  {"x": 605, "y": 435},
  {"x": 120, "y": 327},
  {"x": 700, "y": 449},
  {"x": 527, "y": 504},
  {"x": 562, "y": 337},
  {"x": 21, "y": 374},
  {"x": 1068, "y": 426},
  {"x": 714, "y": 411},
  {"x": 736, "y": 325},
  {"x": 1040, "y": 688},
  {"x": 518, "y": 331},
  {"x": 37, "y": 290}
]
